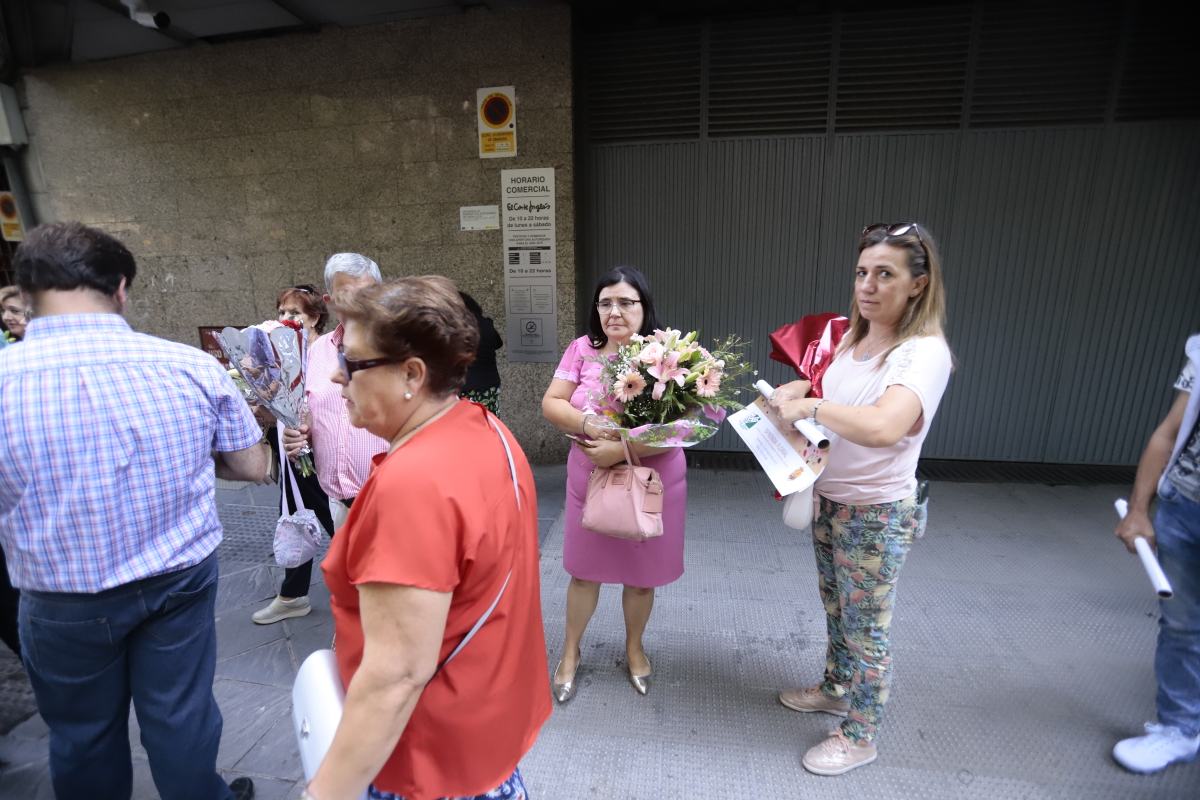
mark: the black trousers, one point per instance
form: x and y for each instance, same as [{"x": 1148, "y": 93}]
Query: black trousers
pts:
[{"x": 10, "y": 602}]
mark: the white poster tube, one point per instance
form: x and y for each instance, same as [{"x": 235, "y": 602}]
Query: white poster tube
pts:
[
  {"x": 1149, "y": 563},
  {"x": 809, "y": 431},
  {"x": 812, "y": 433}
]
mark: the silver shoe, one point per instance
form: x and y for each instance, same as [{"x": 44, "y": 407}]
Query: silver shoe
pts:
[
  {"x": 563, "y": 691},
  {"x": 640, "y": 682}
]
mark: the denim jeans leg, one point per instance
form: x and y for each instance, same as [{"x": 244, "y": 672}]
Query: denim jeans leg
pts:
[
  {"x": 76, "y": 659},
  {"x": 172, "y": 659},
  {"x": 1177, "y": 657}
]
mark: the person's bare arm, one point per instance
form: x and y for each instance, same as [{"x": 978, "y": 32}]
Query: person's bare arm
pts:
[
  {"x": 250, "y": 464},
  {"x": 402, "y": 635},
  {"x": 1150, "y": 468}
]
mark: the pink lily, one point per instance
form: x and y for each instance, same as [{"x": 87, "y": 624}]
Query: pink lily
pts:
[{"x": 668, "y": 370}]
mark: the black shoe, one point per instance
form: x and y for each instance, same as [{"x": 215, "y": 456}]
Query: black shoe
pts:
[{"x": 242, "y": 788}]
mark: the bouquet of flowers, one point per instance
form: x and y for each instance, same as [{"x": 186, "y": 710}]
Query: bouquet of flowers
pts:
[
  {"x": 269, "y": 358},
  {"x": 665, "y": 390}
]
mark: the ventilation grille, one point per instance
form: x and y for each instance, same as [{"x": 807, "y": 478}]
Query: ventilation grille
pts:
[
  {"x": 644, "y": 84},
  {"x": 769, "y": 76},
  {"x": 1044, "y": 63},
  {"x": 902, "y": 69},
  {"x": 984, "y": 64},
  {"x": 1161, "y": 77}
]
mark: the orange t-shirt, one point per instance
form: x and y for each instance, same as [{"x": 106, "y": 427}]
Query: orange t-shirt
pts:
[{"x": 440, "y": 514}]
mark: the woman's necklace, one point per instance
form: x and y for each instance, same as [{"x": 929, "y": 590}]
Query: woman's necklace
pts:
[
  {"x": 869, "y": 349},
  {"x": 404, "y": 437}
]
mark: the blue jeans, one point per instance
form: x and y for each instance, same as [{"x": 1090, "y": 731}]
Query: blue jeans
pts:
[
  {"x": 1177, "y": 659},
  {"x": 153, "y": 641}
]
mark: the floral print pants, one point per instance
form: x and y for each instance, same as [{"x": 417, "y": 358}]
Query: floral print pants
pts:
[
  {"x": 860, "y": 550},
  {"x": 511, "y": 789}
]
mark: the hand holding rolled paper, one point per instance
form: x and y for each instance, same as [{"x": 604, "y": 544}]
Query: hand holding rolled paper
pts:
[
  {"x": 1149, "y": 563},
  {"x": 810, "y": 431}
]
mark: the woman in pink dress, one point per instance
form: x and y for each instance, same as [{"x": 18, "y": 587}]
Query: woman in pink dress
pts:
[{"x": 621, "y": 307}]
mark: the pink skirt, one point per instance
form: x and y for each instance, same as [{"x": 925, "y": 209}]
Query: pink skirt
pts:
[{"x": 591, "y": 556}]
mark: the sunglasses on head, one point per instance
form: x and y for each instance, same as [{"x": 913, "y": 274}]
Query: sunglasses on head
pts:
[
  {"x": 898, "y": 229},
  {"x": 307, "y": 288}
]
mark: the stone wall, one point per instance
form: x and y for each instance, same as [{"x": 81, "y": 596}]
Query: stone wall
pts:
[{"x": 234, "y": 170}]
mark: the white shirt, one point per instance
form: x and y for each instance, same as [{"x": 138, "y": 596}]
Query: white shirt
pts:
[{"x": 857, "y": 475}]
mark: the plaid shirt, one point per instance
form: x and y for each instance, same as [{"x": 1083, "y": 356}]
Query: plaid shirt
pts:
[
  {"x": 342, "y": 453},
  {"x": 106, "y": 440}
]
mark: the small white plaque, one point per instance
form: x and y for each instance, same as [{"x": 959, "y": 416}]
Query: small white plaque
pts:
[{"x": 479, "y": 218}]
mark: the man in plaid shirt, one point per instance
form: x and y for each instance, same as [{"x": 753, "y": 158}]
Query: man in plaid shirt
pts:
[{"x": 109, "y": 442}]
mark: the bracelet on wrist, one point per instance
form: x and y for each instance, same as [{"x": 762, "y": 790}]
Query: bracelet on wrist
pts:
[
  {"x": 583, "y": 427},
  {"x": 812, "y": 417}
]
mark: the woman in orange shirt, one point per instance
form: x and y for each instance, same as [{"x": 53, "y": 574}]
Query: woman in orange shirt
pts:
[{"x": 442, "y": 536}]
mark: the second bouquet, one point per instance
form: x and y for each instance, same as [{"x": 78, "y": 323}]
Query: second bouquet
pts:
[{"x": 666, "y": 390}]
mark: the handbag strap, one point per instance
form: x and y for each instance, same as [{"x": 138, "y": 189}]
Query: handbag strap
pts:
[
  {"x": 285, "y": 466},
  {"x": 512, "y": 471},
  {"x": 630, "y": 456}
]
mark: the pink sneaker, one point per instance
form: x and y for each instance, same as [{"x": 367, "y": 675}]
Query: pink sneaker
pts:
[
  {"x": 811, "y": 698},
  {"x": 837, "y": 755}
]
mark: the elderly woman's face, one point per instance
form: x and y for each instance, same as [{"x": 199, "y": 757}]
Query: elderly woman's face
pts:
[
  {"x": 12, "y": 312},
  {"x": 620, "y": 310},
  {"x": 291, "y": 310},
  {"x": 374, "y": 396}
]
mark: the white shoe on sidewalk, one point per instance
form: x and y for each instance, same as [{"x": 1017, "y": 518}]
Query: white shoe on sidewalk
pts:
[
  {"x": 281, "y": 609},
  {"x": 1161, "y": 746}
]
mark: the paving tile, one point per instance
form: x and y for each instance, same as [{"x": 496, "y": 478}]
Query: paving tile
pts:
[
  {"x": 249, "y": 711},
  {"x": 269, "y": 664},
  {"x": 276, "y": 753}
]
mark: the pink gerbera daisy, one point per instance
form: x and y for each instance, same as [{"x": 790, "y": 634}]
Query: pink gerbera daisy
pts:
[
  {"x": 629, "y": 386},
  {"x": 708, "y": 384}
]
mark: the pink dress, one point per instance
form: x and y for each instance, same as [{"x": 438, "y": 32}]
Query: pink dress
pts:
[{"x": 593, "y": 556}]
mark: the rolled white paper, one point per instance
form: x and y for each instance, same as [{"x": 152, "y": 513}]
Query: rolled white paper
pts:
[
  {"x": 1149, "y": 563},
  {"x": 809, "y": 431},
  {"x": 812, "y": 433}
]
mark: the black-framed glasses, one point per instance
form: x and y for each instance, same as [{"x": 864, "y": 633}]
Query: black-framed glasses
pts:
[
  {"x": 898, "y": 229},
  {"x": 623, "y": 303},
  {"x": 350, "y": 366}
]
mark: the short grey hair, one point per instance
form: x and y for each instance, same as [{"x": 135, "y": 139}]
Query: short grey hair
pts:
[{"x": 353, "y": 264}]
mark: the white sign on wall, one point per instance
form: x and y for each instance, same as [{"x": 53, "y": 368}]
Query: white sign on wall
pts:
[
  {"x": 479, "y": 218},
  {"x": 530, "y": 277}
]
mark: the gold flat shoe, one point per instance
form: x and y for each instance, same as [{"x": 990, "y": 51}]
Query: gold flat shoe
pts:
[
  {"x": 640, "y": 682},
  {"x": 562, "y": 691}
]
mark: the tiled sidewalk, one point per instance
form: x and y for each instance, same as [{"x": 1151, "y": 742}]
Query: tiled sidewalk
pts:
[{"x": 1023, "y": 642}]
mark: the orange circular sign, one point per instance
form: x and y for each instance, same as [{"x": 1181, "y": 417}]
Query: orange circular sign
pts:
[{"x": 496, "y": 110}]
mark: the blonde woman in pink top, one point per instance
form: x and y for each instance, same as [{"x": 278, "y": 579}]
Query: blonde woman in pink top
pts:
[{"x": 880, "y": 395}]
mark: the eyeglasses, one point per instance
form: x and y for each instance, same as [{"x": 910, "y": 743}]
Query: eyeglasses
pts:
[
  {"x": 350, "y": 366},
  {"x": 624, "y": 304},
  {"x": 307, "y": 288},
  {"x": 898, "y": 229}
]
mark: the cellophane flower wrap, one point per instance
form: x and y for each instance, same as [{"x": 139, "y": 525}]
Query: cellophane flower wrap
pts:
[
  {"x": 666, "y": 390},
  {"x": 269, "y": 358}
]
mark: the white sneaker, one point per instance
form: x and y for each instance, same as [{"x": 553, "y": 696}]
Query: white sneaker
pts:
[
  {"x": 1161, "y": 746},
  {"x": 281, "y": 609}
]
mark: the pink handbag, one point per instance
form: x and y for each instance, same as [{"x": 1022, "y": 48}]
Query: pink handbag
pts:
[{"x": 624, "y": 501}]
